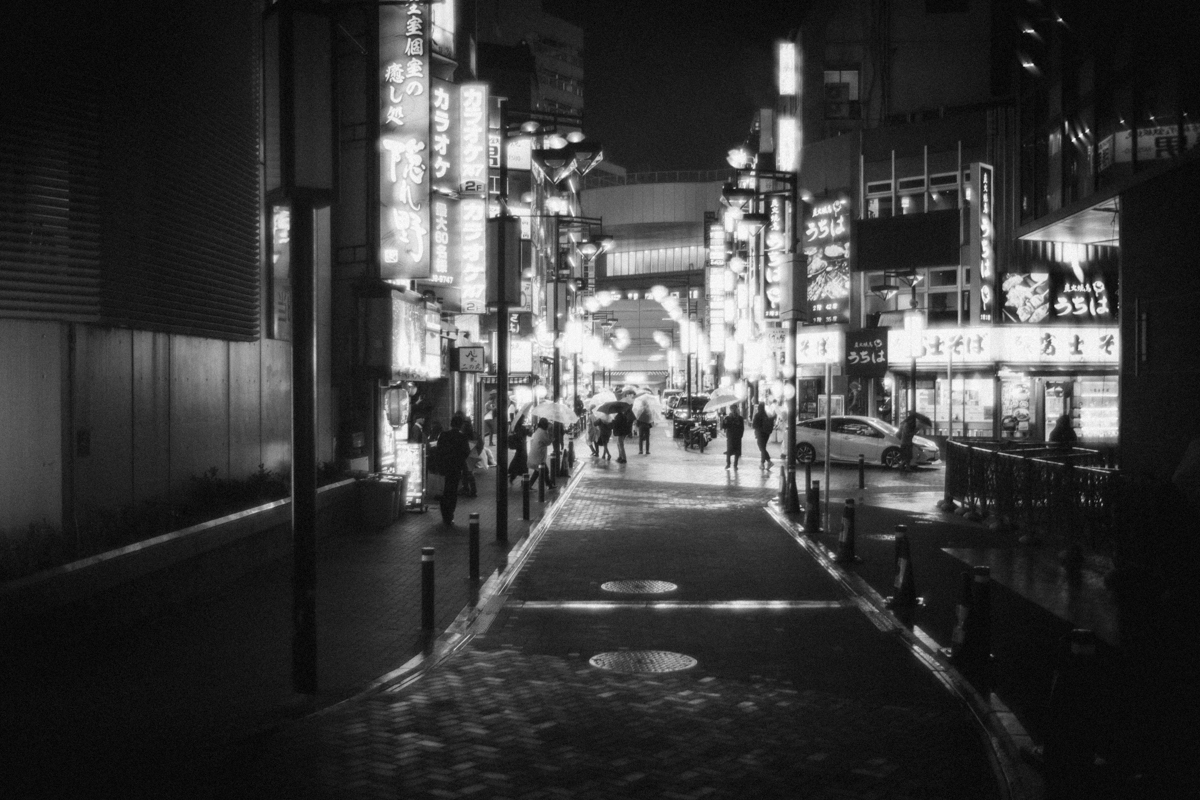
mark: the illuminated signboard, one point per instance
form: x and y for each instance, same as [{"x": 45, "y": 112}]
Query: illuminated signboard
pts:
[
  {"x": 1064, "y": 284},
  {"x": 473, "y": 144},
  {"x": 281, "y": 272},
  {"x": 983, "y": 253},
  {"x": 404, "y": 251},
  {"x": 867, "y": 352},
  {"x": 1153, "y": 143},
  {"x": 827, "y": 248},
  {"x": 825, "y": 347},
  {"x": 779, "y": 256},
  {"x": 1024, "y": 345},
  {"x": 408, "y": 341},
  {"x": 472, "y": 228},
  {"x": 520, "y": 352}
]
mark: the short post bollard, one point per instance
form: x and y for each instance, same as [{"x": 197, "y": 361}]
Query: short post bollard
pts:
[
  {"x": 554, "y": 464},
  {"x": 793, "y": 502},
  {"x": 473, "y": 545},
  {"x": 1070, "y": 739},
  {"x": 525, "y": 497},
  {"x": 978, "y": 645},
  {"x": 807, "y": 476},
  {"x": 541, "y": 479},
  {"x": 862, "y": 471},
  {"x": 783, "y": 471},
  {"x": 570, "y": 455},
  {"x": 427, "y": 588},
  {"x": 846, "y": 538},
  {"x": 905, "y": 584},
  {"x": 812, "y": 513}
]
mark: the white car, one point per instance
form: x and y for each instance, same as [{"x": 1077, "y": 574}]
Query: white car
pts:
[{"x": 876, "y": 440}]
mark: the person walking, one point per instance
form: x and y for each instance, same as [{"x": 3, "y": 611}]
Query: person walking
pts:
[
  {"x": 593, "y": 434},
  {"x": 489, "y": 419},
  {"x": 453, "y": 447},
  {"x": 516, "y": 441},
  {"x": 763, "y": 424},
  {"x": 539, "y": 449},
  {"x": 645, "y": 421},
  {"x": 604, "y": 431},
  {"x": 1063, "y": 433},
  {"x": 622, "y": 427},
  {"x": 908, "y": 429},
  {"x": 735, "y": 427}
]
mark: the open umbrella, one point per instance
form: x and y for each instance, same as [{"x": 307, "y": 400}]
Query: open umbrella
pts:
[
  {"x": 613, "y": 407},
  {"x": 601, "y": 397},
  {"x": 647, "y": 403},
  {"x": 921, "y": 418},
  {"x": 555, "y": 411},
  {"x": 721, "y": 400}
]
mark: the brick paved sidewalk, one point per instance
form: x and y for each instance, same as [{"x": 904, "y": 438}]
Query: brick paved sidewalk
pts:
[{"x": 794, "y": 691}]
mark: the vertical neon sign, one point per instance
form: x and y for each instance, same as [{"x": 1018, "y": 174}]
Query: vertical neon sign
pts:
[
  {"x": 404, "y": 246},
  {"x": 982, "y": 218},
  {"x": 473, "y": 166}
]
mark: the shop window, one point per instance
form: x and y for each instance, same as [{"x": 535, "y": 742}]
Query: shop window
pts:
[{"x": 943, "y": 307}]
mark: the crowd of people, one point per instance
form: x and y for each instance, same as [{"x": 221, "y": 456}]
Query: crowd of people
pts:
[{"x": 457, "y": 453}]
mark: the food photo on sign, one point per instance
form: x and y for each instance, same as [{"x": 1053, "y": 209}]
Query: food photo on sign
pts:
[{"x": 1026, "y": 297}]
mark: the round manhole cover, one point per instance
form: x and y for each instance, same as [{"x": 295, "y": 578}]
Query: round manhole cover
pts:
[
  {"x": 636, "y": 661},
  {"x": 639, "y": 587}
]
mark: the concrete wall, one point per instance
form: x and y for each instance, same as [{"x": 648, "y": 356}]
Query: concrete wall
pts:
[
  {"x": 142, "y": 412},
  {"x": 32, "y": 363}
]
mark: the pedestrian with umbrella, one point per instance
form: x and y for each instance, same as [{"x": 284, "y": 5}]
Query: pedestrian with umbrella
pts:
[
  {"x": 908, "y": 429},
  {"x": 735, "y": 427},
  {"x": 622, "y": 428},
  {"x": 516, "y": 441},
  {"x": 603, "y": 434}
]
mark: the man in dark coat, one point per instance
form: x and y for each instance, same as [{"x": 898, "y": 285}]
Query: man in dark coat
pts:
[
  {"x": 453, "y": 447},
  {"x": 735, "y": 428}
]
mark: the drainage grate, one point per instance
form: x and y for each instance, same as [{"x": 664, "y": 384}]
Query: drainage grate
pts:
[
  {"x": 636, "y": 661},
  {"x": 639, "y": 587}
]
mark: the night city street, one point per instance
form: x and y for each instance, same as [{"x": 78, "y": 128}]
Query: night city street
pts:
[{"x": 574, "y": 399}]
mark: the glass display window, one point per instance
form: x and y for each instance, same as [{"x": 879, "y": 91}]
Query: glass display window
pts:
[{"x": 1095, "y": 409}]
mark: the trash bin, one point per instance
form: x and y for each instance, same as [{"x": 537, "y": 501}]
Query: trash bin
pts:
[{"x": 382, "y": 499}]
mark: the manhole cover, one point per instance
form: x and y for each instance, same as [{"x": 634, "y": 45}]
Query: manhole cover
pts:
[
  {"x": 635, "y": 661},
  {"x": 639, "y": 587}
]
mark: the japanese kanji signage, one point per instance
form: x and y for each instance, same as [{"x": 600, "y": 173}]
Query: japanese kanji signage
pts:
[
  {"x": 473, "y": 253},
  {"x": 867, "y": 352},
  {"x": 779, "y": 253},
  {"x": 822, "y": 347},
  {"x": 982, "y": 251},
  {"x": 1020, "y": 346},
  {"x": 404, "y": 214},
  {"x": 827, "y": 248}
]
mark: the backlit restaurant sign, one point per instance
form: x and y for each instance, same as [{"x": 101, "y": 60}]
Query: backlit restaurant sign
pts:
[
  {"x": 472, "y": 220},
  {"x": 1024, "y": 346},
  {"x": 1161, "y": 141},
  {"x": 779, "y": 256},
  {"x": 867, "y": 352},
  {"x": 827, "y": 248},
  {"x": 983, "y": 251},
  {"x": 823, "y": 347},
  {"x": 472, "y": 227},
  {"x": 404, "y": 236}
]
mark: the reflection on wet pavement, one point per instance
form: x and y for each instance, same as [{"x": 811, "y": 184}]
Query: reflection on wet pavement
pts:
[{"x": 1029, "y": 573}]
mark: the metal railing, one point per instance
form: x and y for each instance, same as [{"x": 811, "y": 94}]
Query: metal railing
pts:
[{"x": 1063, "y": 492}]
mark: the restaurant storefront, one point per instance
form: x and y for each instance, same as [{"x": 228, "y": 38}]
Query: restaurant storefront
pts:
[{"x": 980, "y": 381}]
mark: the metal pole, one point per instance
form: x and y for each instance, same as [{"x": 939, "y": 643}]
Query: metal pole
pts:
[
  {"x": 500, "y": 414},
  {"x": 828, "y": 436},
  {"x": 304, "y": 447},
  {"x": 473, "y": 545},
  {"x": 427, "y": 588}
]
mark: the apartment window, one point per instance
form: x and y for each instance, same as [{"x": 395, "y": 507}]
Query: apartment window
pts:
[{"x": 841, "y": 94}]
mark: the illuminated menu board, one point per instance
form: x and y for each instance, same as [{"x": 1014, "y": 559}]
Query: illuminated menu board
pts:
[
  {"x": 827, "y": 248},
  {"x": 404, "y": 247}
]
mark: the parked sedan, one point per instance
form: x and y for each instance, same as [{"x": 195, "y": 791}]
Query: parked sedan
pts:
[{"x": 876, "y": 440}]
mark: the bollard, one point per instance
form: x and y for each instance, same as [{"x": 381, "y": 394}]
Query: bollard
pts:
[
  {"x": 956, "y": 651},
  {"x": 862, "y": 471},
  {"x": 1069, "y": 748},
  {"x": 977, "y": 649},
  {"x": 473, "y": 545},
  {"x": 554, "y": 464},
  {"x": 570, "y": 456},
  {"x": 427, "y": 588},
  {"x": 793, "y": 496},
  {"x": 541, "y": 479},
  {"x": 846, "y": 539},
  {"x": 783, "y": 486},
  {"x": 812, "y": 513},
  {"x": 807, "y": 474},
  {"x": 905, "y": 585},
  {"x": 525, "y": 496}
]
